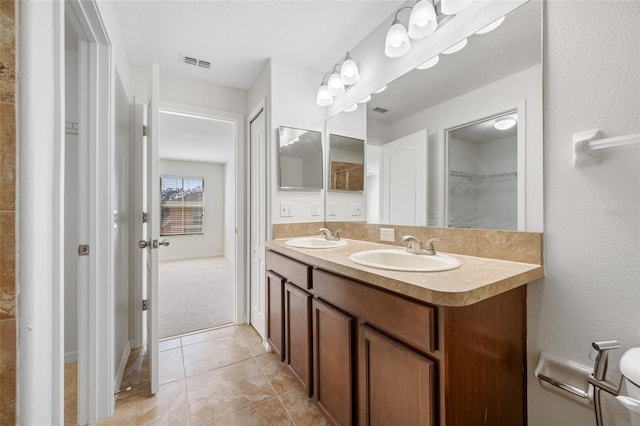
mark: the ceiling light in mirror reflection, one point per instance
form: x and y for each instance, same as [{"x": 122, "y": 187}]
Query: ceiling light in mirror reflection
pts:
[
  {"x": 365, "y": 99},
  {"x": 456, "y": 47},
  {"x": 492, "y": 26},
  {"x": 351, "y": 108},
  {"x": 380, "y": 90},
  {"x": 504, "y": 123},
  {"x": 429, "y": 64}
]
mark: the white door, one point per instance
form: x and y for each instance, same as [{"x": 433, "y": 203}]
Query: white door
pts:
[
  {"x": 148, "y": 192},
  {"x": 258, "y": 221},
  {"x": 405, "y": 189}
]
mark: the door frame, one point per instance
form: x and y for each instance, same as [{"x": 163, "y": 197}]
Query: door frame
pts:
[
  {"x": 41, "y": 213},
  {"x": 240, "y": 293},
  {"x": 255, "y": 112}
]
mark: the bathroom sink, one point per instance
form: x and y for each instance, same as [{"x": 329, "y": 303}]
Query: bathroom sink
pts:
[
  {"x": 315, "y": 243},
  {"x": 401, "y": 260}
]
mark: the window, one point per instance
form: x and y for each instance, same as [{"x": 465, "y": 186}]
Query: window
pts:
[{"x": 181, "y": 205}]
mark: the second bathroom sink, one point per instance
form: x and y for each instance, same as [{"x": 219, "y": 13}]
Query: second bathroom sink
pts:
[{"x": 401, "y": 260}]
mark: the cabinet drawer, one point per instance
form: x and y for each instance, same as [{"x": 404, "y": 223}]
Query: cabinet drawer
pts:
[
  {"x": 410, "y": 321},
  {"x": 295, "y": 272}
]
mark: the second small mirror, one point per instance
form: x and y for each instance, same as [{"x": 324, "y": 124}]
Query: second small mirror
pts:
[{"x": 346, "y": 163}]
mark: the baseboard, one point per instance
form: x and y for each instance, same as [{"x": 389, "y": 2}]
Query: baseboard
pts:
[
  {"x": 70, "y": 357},
  {"x": 123, "y": 363},
  {"x": 191, "y": 256}
]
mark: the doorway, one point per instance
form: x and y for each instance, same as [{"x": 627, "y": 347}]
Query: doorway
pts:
[{"x": 197, "y": 279}]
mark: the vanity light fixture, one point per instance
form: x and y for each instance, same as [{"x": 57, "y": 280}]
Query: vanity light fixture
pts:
[
  {"x": 335, "y": 84},
  {"x": 453, "y": 7},
  {"x": 365, "y": 99},
  {"x": 351, "y": 108},
  {"x": 492, "y": 26},
  {"x": 429, "y": 64},
  {"x": 349, "y": 73},
  {"x": 397, "y": 42},
  {"x": 505, "y": 123},
  {"x": 380, "y": 90},
  {"x": 323, "y": 97},
  {"x": 456, "y": 47},
  {"x": 423, "y": 20}
]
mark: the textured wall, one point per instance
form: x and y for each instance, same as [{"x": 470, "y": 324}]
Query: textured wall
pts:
[
  {"x": 592, "y": 214},
  {"x": 7, "y": 214}
]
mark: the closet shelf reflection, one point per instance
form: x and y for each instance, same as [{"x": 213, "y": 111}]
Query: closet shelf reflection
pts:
[{"x": 477, "y": 178}]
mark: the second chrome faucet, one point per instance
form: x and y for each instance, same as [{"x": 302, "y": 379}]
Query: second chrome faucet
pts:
[
  {"x": 335, "y": 236},
  {"x": 416, "y": 247}
]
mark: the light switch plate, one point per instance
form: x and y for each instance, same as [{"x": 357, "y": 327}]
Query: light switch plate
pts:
[
  {"x": 332, "y": 209},
  {"x": 315, "y": 208},
  {"x": 387, "y": 234}
]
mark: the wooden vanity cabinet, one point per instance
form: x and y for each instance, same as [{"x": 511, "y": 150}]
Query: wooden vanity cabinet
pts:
[
  {"x": 275, "y": 313},
  {"x": 381, "y": 358},
  {"x": 333, "y": 353},
  {"x": 298, "y": 334}
]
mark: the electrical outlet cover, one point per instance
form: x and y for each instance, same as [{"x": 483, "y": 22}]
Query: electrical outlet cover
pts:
[{"x": 387, "y": 234}]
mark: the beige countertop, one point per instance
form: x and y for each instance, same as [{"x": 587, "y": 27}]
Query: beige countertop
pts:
[{"x": 475, "y": 280}]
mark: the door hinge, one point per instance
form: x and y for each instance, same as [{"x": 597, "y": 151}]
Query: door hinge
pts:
[
  {"x": 83, "y": 250},
  {"x": 144, "y": 217},
  {"x": 144, "y": 305},
  {"x": 145, "y": 131}
]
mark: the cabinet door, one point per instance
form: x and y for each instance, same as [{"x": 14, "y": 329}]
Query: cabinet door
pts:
[
  {"x": 275, "y": 313},
  {"x": 396, "y": 384},
  {"x": 298, "y": 333},
  {"x": 333, "y": 362}
]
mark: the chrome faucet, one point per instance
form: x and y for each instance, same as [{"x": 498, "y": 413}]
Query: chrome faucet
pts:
[
  {"x": 416, "y": 247},
  {"x": 330, "y": 236}
]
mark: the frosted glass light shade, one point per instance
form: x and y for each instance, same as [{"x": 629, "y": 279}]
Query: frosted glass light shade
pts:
[
  {"x": 323, "y": 98},
  {"x": 452, "y": 7},
  {"x": 349, "y": 73},
  {"x": 456, "y": 47},
  {"x": 492, "y": 26},
  {"x": 505, "y": 123},
  {"x": 429, "y": 64},
  {"x": 422, "y": 21},
  {"x": 351, "y": 108},
  {"x": 336, "y": 87},
  {"x": 365, "y": 99},
  {"x": 382, "y": 89},
  {"x": 397, "y": 42}
]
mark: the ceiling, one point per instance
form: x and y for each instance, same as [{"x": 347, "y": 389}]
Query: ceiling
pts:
[
  {"x": 188, "y": 138},
  {"x": 237, "y": 37}
]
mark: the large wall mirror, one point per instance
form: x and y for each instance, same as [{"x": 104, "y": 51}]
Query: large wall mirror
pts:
[
  {"x": 300, "y": 159},
  {"x": 433, "y": 154}
]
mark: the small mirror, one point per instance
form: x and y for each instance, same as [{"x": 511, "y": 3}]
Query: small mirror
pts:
[
  {"x": 346, "y": 159},
  {"x": 483, "y": 178},
  {"x": 300, "y": 159}
]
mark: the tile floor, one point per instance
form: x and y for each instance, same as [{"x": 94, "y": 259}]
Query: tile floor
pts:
[{"x": 218, "y": 377}]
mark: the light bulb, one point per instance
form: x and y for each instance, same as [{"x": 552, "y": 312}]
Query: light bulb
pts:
[
  {"x": 504, "y": 123},
  {"x": 492, "y": 26},
  {"x": 323, "y": 98},
  {"x": 351, "y": 108},
  {"x": 429, "y": 64},
  {"x": 365, "y": 99},
  {"x": 423, "y": 21},
  {"x": 397, "y": 42},
  {"x": 380, "y": 90},
  {"x": 456, "y": 47},
  {"x": 349, "y": 71},
  {"x": 336, "y": 88},
  {"x": 453, "y": 7}
]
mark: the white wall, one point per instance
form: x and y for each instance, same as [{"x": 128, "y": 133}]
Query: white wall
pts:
[
  {"x": 293, "y": 104},
  {"x": 119, "y": 54},
  {"x": 592, "y": 214},
  {"x": 71, "y": 211},
  {"x": 230, "y": 211},
  {"x": 504, "y": 95},
  {"x": 212, "y": 242},
  {"x": 187, "y": 91},
  {"x": 122, "y": 240}
]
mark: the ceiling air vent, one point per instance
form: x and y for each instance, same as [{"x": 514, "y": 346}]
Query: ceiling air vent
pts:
[
  {"x": 380, "y": 110},
  {"x": 201, "y": 63}
]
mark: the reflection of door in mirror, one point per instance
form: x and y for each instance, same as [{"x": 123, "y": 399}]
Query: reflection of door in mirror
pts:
[
  {"x": 346, "y": 163},
  {"x": 405, "y": 189},
  {"x": 482, "y": 181}
]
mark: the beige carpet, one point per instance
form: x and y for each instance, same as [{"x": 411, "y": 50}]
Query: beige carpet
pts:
[{"x": 194, "y": 294}]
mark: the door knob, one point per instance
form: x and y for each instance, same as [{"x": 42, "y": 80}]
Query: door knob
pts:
[
  {"x": 143, "y": 244},
  {"x": 164, "y": 242}
]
